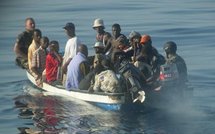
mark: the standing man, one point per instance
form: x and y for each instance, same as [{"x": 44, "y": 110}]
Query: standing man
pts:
[
  {"x": 98, "y": 25},
  {"x": 70, "y": 48},
  {"x": 38, "y": 64},
  {"x": 170, "y": 49},
  {"x": 37, "y": 34},
  {"x": 78, "y": 68},
  {"x": 23, "y": 41}
]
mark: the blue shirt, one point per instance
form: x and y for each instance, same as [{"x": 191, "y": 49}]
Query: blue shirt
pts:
[{"x": 74, "y": 75}]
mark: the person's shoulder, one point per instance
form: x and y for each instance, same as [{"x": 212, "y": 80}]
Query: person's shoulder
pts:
[
  {"x": 78, "y": 40},
  {"x": 49, "y": 55},
  {"x": 179, "y": 58},
  {"x": 21, "y": 35},
  {"x": 30, "y": 46},
  {"x": 122, "y": 35},
  {"x": 37, "y": 51},
  {"x": 74, "y": 40},
  {"x": 84, "y": 64}
]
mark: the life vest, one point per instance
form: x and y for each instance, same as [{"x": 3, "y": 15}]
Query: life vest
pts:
[{"x": 168, "y": 72}]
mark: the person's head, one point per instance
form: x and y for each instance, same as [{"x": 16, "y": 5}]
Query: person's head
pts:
[
  {"x": 83, "y": 49},
  {"x": 54, "y": 46},
  {"x": 145, "y": 39},
  {"x": 69, "y": 29},
  {"x": 30, "y": 24},
  {"x": 44, "y": 42},
  {"x": 170, "y": 47},
  {"x": 99, "y": 47},
  {"x": 134, "y": 37},
  {"x": 116, "y": 30},
  {"x": 98, "y": 25},
  {"x": 37, "y": 34}
]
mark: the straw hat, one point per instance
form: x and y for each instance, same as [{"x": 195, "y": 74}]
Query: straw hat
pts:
[{"x": 98, "y": 22}]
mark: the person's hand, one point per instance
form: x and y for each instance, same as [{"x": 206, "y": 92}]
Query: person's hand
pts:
[
  {"x": 64, "y": 69},
  {"x": 116, "y": 43},
  {"x": 120, "y": 39},
  {"x": 38, "y": 76},
  {"x": 90, "y": 90},
  {"x": 54, "y": 52}
]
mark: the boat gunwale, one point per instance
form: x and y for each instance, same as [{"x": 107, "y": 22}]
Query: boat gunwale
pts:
[
  {"x": 108, "y": 98},
  {"x": 78, "y": 90}
]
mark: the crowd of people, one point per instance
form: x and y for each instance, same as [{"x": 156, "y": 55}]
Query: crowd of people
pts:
[{"x": 74, "y": 70}]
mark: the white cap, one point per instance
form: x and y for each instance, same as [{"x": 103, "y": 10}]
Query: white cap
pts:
[
  {"x": 98, "y": 22},
  {"x": 99, "y": 44}
]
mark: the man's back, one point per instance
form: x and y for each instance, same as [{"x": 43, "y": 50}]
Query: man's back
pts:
[
  {"x": 71, "y": 48},
  {"x": 75, "y": 71},
  {"x": 181, "y": 65}
]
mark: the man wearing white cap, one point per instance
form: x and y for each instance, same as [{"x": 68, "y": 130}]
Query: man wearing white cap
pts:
[
  {"x": 98, "y": 25},
  {"x": 99, "y": 56}
]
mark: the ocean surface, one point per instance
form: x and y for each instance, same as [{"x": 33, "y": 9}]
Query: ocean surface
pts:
[{"x": 190, "y": 23}]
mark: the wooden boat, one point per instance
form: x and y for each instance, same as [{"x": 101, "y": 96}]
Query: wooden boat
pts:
[
  {"x": 107, "y": 101},
  {"x": 122, "y": 101}
]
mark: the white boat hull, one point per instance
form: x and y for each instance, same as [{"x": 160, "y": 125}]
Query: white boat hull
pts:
[{"x": 109, "y": 101}]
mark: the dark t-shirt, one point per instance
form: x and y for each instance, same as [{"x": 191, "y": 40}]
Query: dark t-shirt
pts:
[
  {"x": 24, "y": 40},
  {"x": 181, "y": 66}
]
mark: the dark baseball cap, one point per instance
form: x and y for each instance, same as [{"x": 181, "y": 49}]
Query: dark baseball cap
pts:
[{"x": 69, "y": 25}]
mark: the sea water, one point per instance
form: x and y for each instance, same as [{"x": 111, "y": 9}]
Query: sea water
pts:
[{"x": 190, "y": 23}]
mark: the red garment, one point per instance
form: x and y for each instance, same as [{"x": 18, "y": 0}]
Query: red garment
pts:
[
  {"x": 50, "y": 116},
  {"x": 52, "y": 65},
  {"x": 49, "y": 112}
]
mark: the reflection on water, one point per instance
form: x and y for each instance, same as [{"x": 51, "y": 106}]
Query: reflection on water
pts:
[
  {"x": 43, "y": 112},
  {"x": 52, "y": 114}
]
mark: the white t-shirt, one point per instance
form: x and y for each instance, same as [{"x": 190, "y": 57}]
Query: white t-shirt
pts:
[{"x": 71, "y": 48}]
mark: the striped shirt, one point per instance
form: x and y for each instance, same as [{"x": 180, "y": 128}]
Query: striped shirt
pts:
[{"x": 39, "y": 59}]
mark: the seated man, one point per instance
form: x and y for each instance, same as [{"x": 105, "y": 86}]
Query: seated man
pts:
[
  {"x": 150, "y": 57},
  {"x": 133, "y": 51},
  {"x": 107, "y": 81},
  {"x": 99, "y": 27},
  {"x": 39, "y": 60},
  {"x": 118, "y": 36},
  {"x": 78, "y": 68},
  {"x": 99, "y": 53},
  {"x": 53, "y": 63},
  {"x": 88, "y": 81}
]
